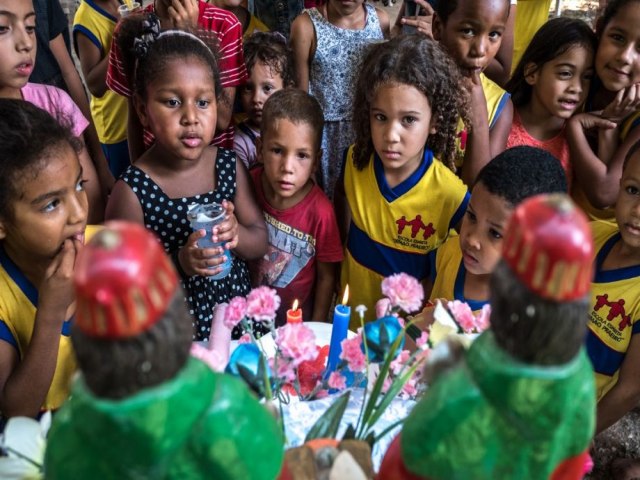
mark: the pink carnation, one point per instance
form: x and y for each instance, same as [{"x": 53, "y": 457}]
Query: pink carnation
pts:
[
  {"x": 262, "y": 304},
  {"x": 297, "y": 343},
  {"x": 403, "y": 291},
  {"x": 246, "y": 338},
  {"x": 483, "y": 318},
  {"x": 337, "y": 381},
  {"x": 410, "y": 390},
  {"x": 352, "y": 353},
  {"x": 423, "y": 339},
  {"x": 400, "y": 361},
  {"x": 286, "y": 371},
  {"x": 213, "y": 359},
  {"x": 235, "y": 312}
]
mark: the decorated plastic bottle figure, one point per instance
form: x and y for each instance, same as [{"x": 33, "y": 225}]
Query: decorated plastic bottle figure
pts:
[
  {"x": 142, "y": 407},
  {"x": 521, "y": 401}
]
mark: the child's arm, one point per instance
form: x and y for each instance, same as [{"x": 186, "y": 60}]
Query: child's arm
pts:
[
  {"x": 599, "y": 181},
  {"x": 625, "y": 394},
  {"x": 244, "y": 227},
  {"x": 422, "y": 23},
  {"x": 92, "y": 187},
  {"x": 484, "y": 144},
  {"x": 24, "y": 384},
  {"x": 303, "y": 44},
  {"x": 385, "y": 23},
  {"x": 123, "y": 204},
  {"x": 325, "y": 287},
  {"x": 93, "y": 67}
]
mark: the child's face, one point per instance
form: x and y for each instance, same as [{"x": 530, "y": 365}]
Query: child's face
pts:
[
  {"x": 52, "y": 208},
  {"x": 346, "y": 7},
  {"x": 482, "y": 230},
  {"x": 263, "y": 82},
  {"x": 628, "y": 204},
  {"x": 289, "y": 155},
  {"x": 561, "y": 85},
  {"x": 227, "y": 3},
  {"x": 180, "y": 108},
  {"x": 473, "y": 33},
  {"x": 17, "y": 45},
  {"x": 618, "y": 56},
  {"x": 400, "y": 122}
]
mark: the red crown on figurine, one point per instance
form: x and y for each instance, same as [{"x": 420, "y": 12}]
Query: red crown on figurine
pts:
[
  {"x": 124, "y": 282},
  {"x": 549, "y": 247}
]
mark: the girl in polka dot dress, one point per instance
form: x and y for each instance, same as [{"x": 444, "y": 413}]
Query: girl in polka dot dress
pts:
[{"x": 177, "y": 85}]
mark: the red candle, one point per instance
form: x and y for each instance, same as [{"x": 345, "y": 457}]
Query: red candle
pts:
[{"x": 295, "y": 314}]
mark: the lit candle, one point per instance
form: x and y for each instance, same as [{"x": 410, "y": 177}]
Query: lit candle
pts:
[
  {"x": 341, "y": 317},
  {"x": 295, "y": 314}
]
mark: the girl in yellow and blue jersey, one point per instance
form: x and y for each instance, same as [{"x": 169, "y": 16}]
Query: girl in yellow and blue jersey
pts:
[{"x": 401, "y": 201}]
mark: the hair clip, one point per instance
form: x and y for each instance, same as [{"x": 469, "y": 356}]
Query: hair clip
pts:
[{"x": 149, "y": 34}]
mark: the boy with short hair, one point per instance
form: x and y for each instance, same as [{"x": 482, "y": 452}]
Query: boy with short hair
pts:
[
  {"x": 304, "y": 243},
  {"x": 614, "y": 316},
  {"x": 462, "y": 266}
]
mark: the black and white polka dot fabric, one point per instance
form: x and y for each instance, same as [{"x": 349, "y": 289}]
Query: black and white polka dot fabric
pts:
[{"x": 167, "y": 218}]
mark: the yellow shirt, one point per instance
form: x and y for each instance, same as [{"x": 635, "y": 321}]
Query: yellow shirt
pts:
[
  {"x": 614, "y": 312},
  {"x": 18, "y": 308},
  {"x": 392, "y": 229},
  {"x": 530, "y": 15},
  {"x": 109, "y": 112}
]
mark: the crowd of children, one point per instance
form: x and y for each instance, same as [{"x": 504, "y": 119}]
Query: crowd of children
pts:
[{"x": 347, "y": 157}]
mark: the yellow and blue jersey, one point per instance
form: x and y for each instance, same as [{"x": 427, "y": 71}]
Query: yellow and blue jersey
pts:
[
  {"x": 614, "y": 310},
  {"x": 448, "y": 274},
  {"x": 496, "y": 98},
  {"x": 109, "y": 112},
  {"x": 18, "y": 308},
  {"x": 392, "y": 229}
]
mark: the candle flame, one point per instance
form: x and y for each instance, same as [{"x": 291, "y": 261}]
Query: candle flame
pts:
[
  {"x": 295, "y": 305},
  {"x": 345, "y": 297}
]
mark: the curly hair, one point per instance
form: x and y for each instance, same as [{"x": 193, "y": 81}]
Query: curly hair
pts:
[
  {"x": 143, "y": 65},
  {"x": 271, "y": 49},
  {"x": 554, "y": 38},
  {"x": 420, "y": 62},
  {"x": 29, "y": 136}
]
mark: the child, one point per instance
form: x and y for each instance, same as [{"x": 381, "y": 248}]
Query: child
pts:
[
  {"x": 304, "y": 242},
  {"x": 400, "y": 200},
  {"x": 550, "y": 84},
  {"x": 270, "y": 66},
  {"x": 612, "y": 342},
  {"x": 616, "y": 93},
  {"x": 177, "y": 86},
  {"x": 471, "y": 31},
  {"x": 18, "y": 49},
  {"x": 250, "y": 23},
  {"x": 186, "y": 15},
  {"x": 93, "y": 27},
  {"x": 328, "y": 44},
  {"x": 462, "y": 266},
  {"x": 43, "y": 214}
]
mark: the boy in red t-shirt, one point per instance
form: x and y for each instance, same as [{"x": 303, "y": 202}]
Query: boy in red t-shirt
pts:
[
  {"x": 195, "y": 16},
  {"x": 304, "y": 242}
]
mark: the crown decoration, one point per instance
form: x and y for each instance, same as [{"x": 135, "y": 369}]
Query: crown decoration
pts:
[
  {"x": 124, "y": 282},
  {"x": 549, "y": 247}
]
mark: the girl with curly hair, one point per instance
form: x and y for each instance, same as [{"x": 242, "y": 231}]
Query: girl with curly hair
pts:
[{"x": 397, "y": 201}]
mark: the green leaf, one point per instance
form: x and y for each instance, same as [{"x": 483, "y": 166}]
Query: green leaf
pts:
[
  {"x": 350, "y": 433},
  {"x": 327, "y": 425}
]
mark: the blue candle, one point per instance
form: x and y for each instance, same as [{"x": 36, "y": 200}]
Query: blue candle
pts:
[{"x": 341, "y": 317}]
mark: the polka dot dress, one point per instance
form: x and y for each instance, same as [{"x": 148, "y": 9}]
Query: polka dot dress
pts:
[{"x": 167, "y": 218}]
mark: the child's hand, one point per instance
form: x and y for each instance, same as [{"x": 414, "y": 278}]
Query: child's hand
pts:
[
  {"x": 624, "y": 104},
  {"x": 592, "y": 120},
  {"x": 56, "y": 292},
  {"x": 197, "y": 261},
  {"x": 423, "y": 21},
  {"x": 184, "y": 14},
  {"x": 227, "y": 231},
  {"x": 477, "y": 100}
]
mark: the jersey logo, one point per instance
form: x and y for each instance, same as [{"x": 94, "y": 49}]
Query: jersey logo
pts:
[
  {"x": 416, "y": 225},
  {"x": 616, "y": 309}
]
